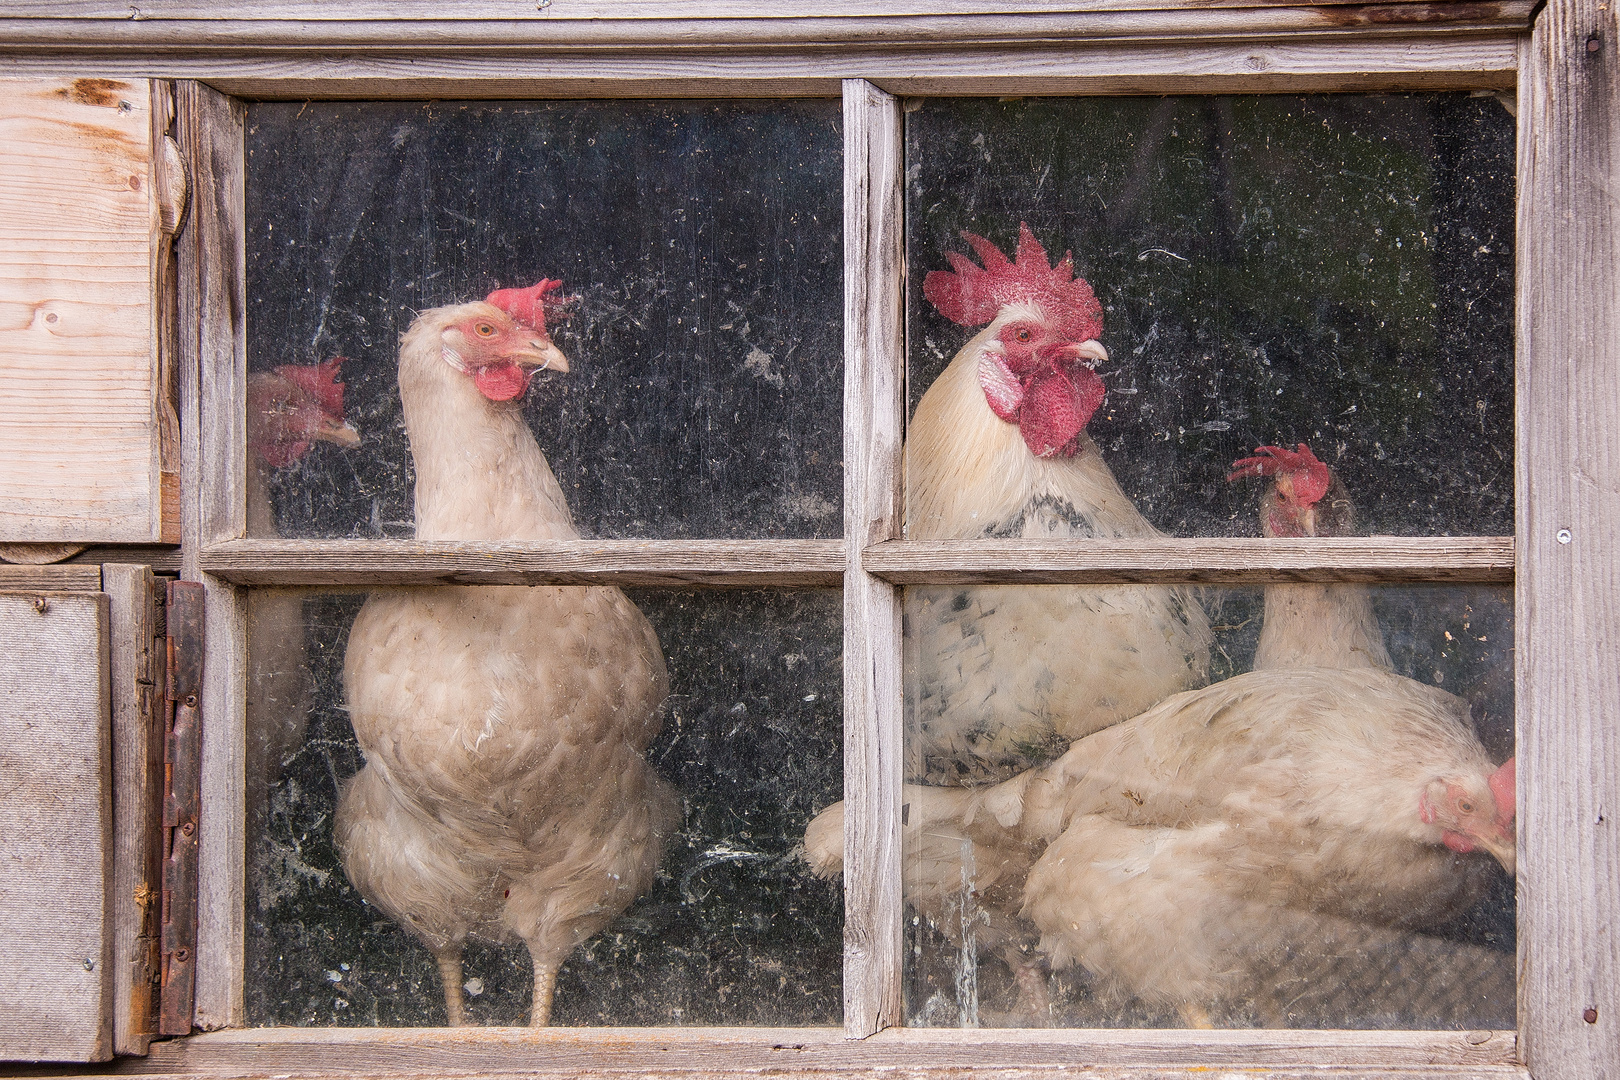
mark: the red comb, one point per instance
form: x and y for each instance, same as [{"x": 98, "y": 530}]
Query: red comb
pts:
[
  {"x": 1502, "y": 785},
  {"x": 529, "y": 306},
  {"x": 971, "y": 295},
  {"x": 319, "y": 381},
  {"x": 1310, "y": 476}
]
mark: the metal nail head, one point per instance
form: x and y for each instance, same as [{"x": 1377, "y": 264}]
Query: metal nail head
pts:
[
  {"x": 1565, "y": 536},
  {"x": 1590, "y": 1016}
]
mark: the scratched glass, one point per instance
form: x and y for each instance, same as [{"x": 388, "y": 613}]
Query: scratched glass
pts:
[
  {"x": 732, "y": 928},
  {"x": 1315, "y": 834},
  {"x": 1335, "y": 270},
  {"x": 705, "y": 349}
]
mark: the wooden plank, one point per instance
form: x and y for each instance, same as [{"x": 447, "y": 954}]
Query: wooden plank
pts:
[
  {"x": 136, "y": 669},
  {"x": 598, "y": 25},
  {"x": 58, "y": 577},
  {"x": 874, "y": 418},
  {"x": 213, "y": 373},
  {"x": 1218, "y": 560},
  {"x": 692, "y": 1052},
  {"x": 55, "y": 940},
  {"x": 1277, "y": 64},
  {"x": 1568, "y": 604},
  {"x": 564, "y": 11},
  {"x": 79, "y": 447},
  {"x": 744, "y": 563},
  {"x": 163, "y": 559}
]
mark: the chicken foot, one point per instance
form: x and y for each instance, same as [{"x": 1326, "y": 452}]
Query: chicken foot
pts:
[
  {"x": 450, "y": 974},
  {"x": 545, "y": 987}
]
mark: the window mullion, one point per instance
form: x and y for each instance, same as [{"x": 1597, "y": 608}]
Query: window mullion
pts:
[{"x": 873, "y": 419}]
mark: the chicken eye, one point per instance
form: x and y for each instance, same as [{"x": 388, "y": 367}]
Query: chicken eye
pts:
[
  {"x": 1465, "y": 806},
  {"x": 1023, "y": 334},
  {"x": 483, "y": 329}
]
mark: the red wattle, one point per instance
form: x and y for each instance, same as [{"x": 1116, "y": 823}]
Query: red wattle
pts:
[
  {"x": 501, "y": 382},
  {"x": 1056, "y": 408},
  {"x": 1501, "y": 783},
  {"x": 1457, "y": 842}
]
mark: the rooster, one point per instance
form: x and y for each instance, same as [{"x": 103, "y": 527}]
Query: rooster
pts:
[
  {"x": 505, "y": 792},
  {"x": 1004, "y": 677}
]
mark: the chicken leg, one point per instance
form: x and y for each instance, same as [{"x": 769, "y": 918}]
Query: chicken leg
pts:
[{"x": 450, "y": 974}]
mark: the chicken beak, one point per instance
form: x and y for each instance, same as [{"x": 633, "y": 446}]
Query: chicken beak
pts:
[
  {"x": 338, "y": 432},
  {"x": 1094, "y": 351},
  {"x": 1502, "y": 848},
  {"x": 541, "y": 354}
]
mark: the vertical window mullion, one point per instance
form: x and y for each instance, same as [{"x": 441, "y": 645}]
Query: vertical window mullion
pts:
[{"x": 873, "y": 419}]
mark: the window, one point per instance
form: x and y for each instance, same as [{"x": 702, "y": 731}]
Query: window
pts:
[{"x": 1558, "y": 725}]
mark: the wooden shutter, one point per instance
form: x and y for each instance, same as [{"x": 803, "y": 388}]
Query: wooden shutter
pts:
[{"x": 89, "y": 196}]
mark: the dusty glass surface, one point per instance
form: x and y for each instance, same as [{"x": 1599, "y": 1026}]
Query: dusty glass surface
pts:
[
  {"x": 702, "y": 239},
  {"x": 1316, "y": 838},
  {"x": 1335, "y": 269},
  {"x": 732, "y": 927}
]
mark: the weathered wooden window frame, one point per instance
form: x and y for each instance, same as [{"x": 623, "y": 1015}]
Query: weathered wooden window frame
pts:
[{"x": 1568, "y": 325}]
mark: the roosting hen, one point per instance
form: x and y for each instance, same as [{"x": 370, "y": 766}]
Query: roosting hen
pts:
[
  {"x": 1004, "y": 677},
  {"x": 505, "y": 793},
  {"x": 1188, "y": 847}
]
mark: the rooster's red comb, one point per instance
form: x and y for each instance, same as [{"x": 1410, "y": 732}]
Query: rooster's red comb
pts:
[
  {"x": 530, "y": 306},
  {"x": 319, "y": 381},
  {"x": 972, "y": 295}
]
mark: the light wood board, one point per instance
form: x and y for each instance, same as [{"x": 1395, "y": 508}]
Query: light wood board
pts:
[
  {"x": 697, "y": 1052},
  {"x": 874, "y": 387},
  {"x": 79, "y": 233},
  {"x": 1280, "y": 63},
  {"x": 56, "y": 817},
  {"x": 1220, "y": 560},
  {"x": 1568, "y": 609}
]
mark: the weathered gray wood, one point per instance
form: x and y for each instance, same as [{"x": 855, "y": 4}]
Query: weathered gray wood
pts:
[
  {"x": 136, "y": 658},
  {"x": 1568, "y": 466},
  {"x": 71, "y": 577},
  {"x": 821, "y": 1051},
  {"x": 161, "y": 558},
  {"x": 213, "y": 373},
  {"x": 874, "y": 381},
  {"x": 56, "y": 818},
  {"x": 1272, "y": 64},
  {"x": 694, "y": 26},
  {"x": 1212, "y": 561},
  {"x": 737, "y": 563}
]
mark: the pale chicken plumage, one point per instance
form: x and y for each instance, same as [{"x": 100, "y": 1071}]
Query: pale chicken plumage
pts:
[
  {"x": 505, "y": 793},
  {"x": 1003, "y": 677}
]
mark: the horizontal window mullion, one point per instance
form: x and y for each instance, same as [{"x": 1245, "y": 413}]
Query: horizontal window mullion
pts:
[
  {"x": 793, "y": 563},
  {"x": 1218, "y": 560}
]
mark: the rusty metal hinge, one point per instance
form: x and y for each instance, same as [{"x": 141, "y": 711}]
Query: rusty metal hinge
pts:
[{"x": 182, "y": 799}]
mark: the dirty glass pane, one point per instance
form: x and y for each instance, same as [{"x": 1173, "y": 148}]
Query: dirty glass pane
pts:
[
  {"x": 1316, "y": 834},
  {"x": 729, "y": 927},
  {"x": 1335, "y": 269},
  {"x": 702, "y": 240}
]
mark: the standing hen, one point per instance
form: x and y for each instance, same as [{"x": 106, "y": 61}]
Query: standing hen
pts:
[
  {"x": 1004, "y": 677},
  {"x": 505, "y": 793}
]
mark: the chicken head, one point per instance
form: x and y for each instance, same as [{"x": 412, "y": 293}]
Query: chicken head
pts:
[
  {"x": 293, "y": 406},
  {"x": 1036, "y": 368},
  {"x": 500, "y": 342},
  {"x": 1472, "y": 813},
  {"x": 1294, "y": 505}
]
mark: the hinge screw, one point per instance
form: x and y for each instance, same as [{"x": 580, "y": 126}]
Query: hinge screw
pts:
[
  {"x": 41, "y": 605},
  {"x": 188, "y": 828},
  {"x": 182, "y": 954},
  {"x": 191, "y": 701}
]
